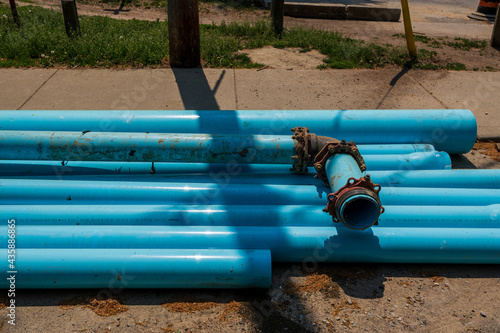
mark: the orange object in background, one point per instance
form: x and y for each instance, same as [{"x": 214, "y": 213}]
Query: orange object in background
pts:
[{"x": 486, "y": 10}]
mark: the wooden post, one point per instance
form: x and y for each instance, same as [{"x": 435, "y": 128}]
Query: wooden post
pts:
[
  {"x": 277, "y": 15},
  {"x": 495, "y": 36},
  {"x": 71, "y": 21},
  {"x": 15, "y": 15},
  {"x": 184, "y": 33}
]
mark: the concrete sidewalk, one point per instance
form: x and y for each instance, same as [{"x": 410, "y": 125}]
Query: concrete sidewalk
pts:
[{"x": 227, "y": 89}]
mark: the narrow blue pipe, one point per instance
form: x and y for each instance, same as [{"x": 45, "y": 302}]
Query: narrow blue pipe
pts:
[
  {"x": 453, "y": 131},
  {"x": 17, "y": 167},
  {"x": 74, "y": 193},
  {"x": 339, "y": 169},
  {"x": 394, "y": 149},
  {"x": 359, "y": 208},
  {"x": 139, "y": 268},
  {"x": 308, "y": 245},
  {"x": 245, "y": 215},
  {"x": 279, "y": 175},
  {"x": 146, "y": 147},
  {"x": 486, "y": 179},
  {"x": 414, "y": 161}
]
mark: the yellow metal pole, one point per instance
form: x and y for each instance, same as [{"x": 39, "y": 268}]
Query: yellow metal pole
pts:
[{"x": 408, "y": 29}]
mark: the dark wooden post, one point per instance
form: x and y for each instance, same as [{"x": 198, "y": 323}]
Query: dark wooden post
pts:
[
  {"x": 184, "y": 33},
  {"x": 495, "y": 36},
  {"x": 71, "y": 21},
  {"x": 15, "y": 15},
  {"x": 277, "y": 14}
]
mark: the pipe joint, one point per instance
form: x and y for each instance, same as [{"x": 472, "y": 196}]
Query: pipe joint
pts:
[
  {"x": 307, "y": 146},
  {"x": 357, "y": 204},
  {"x": 331, "y": 149},
  {"x": 302, "y": 145}
]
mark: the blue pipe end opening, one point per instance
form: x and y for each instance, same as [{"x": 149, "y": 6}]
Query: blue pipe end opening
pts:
[{"x": 360, "y": 211}]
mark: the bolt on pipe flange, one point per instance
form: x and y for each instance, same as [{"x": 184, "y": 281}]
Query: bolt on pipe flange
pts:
[
  {"x": 302, "y": 140},
  {"x": 334, "y": 148},
  {"x": 342, "y": 204}
]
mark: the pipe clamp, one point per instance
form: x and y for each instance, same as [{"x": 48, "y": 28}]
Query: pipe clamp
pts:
[
  {"x": 363, "y": 185},
  {"x": 302, "y": 140}
]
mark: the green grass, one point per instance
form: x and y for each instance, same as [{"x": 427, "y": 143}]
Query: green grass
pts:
[
  {"x": 455, "y": 66},
  {"x": 107, "y": 42},
  {"x": 467, "y": 44},
  {"x": 418, "y": 38},
  {"x": 42, "y": 41},
  {"x": 238, "y": 4},
  {"x": 458, "y": 43},
  {"x": 423, "y": 39},
  {"x": 147, "y": 4}
]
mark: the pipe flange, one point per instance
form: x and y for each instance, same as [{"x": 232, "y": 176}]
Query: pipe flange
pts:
[
  {"x": 363, "y": 185},
  {"x": 302, "y": 143},
  {"x": 334, "y": 148}
]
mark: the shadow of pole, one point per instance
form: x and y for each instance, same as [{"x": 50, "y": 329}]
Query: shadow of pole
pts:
[
  {"x": 195, "y": 91},
  {"x": 393, "y": 83},
  {"x": 117, "y": 11}
]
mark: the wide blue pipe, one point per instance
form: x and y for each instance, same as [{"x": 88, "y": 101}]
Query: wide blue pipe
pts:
[
  {"x": 69, "y": 192},
  {"x": 357, "y": 208},
  {"x": 244, "y": 215},
  {"x": 139, "y": 268},
  {"x": 308, "y": 245},
  {"x": 414, "y": 161},
  {"x": 453, "y": 131}
]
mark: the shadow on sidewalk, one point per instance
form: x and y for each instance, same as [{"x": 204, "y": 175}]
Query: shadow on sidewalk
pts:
[
  {"x": 195, "y": 90},
  {"x": 393, "y": 83}
]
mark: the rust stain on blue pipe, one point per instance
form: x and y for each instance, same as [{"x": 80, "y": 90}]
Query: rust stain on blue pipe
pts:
[{"x": 145, "y": 147}]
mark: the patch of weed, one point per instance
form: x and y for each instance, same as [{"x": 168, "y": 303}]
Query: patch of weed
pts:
[
  {"x": 467, "y": 44},
  {"x": 455, "y": 66}
]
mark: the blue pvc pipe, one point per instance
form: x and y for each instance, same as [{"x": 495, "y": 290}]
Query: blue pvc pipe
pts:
[
  {"x": 245, "y": 215},
  {"x": 486, "y": 179},
  {"x": 139, "y": 268},
  {"x": 453, "y": 131},
  {"x": 308, "y": 245},
  {"x": 339, "y": 169},
  {"x": 359, "y": 208},
  {"x": 414, "y": 161},
  {"x": 394, "y": 149},
  {"x": 17, "y": 167},
  {"x": 146, "y": 147},
  {"x": 74, "y": 193}
]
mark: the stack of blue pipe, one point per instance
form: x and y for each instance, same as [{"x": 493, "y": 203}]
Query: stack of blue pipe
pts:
[{"x": 139, "y": 224}]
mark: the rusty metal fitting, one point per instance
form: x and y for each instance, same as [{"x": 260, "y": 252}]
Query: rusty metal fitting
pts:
[
  {"x": 302, "y": 145},
  {"x": 357, "y": 204},
  {"x": 333, "y": 148}
]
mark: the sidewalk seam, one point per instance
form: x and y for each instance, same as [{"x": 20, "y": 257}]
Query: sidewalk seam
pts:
[
  {"x": 33, "y": 94},
  {"x": 430, "y": 93},
  {"x": 235, "y": 91}
]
